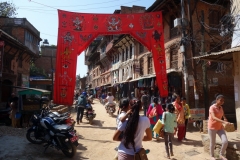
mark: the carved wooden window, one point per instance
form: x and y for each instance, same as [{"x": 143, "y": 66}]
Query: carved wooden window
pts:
[
  {"x": 174, "y": 32},
  {"x": 150, "y": 65},
  {"x": 141, "y": 66},
  {"x": 19, "y": 79},
  {"x": 123, "y": 55},
  {"x": 20, "y": 61},
  {"x": 174, "y": 58},
  {"x": 7, "y": 63},
  {"x": 126, "y": 53},
  {"x": 141, "y": 48},
  {"x": 215, "y": 47},
  {"x": 130, "y": 51},
  {"x": 214, "y": 19}
]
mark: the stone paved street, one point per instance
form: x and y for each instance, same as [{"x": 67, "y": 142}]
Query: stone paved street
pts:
[{"x": 96, "y": 143}]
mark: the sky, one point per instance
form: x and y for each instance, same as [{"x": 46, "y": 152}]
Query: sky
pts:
[{"x": 42, "y": 14}]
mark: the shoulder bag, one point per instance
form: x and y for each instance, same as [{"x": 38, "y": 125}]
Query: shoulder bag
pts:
[{"x": 140, "y": 155}]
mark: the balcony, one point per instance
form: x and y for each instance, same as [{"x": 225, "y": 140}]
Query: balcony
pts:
[
  {"x": 33, "y": 47},
  {"x": 116, "y": 66},
  {"x": 174, "y": 33}
]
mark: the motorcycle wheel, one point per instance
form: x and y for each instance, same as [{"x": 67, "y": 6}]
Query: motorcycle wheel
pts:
[
  {"x": 90, "y": 120},
  {"x": 70, "y": 152},
  {"x": 31, "y": 138}
]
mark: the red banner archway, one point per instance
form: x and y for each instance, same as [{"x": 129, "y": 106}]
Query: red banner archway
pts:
[{"x": 77, "y": 30}]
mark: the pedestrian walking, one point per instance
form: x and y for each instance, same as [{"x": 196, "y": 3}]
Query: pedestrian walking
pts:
[
  {"x": 154, "y": 113},
  {"x": 82, "y": 102},
  {"x": 144, "y": 100},
  {"x": 186, "y": 114},
  {"x": 169, "y": 128},
  {"x": 215, "y": 126},
  {"x": 135, "y": 130},
  {"x": 179, "y": 111},
  {"x": 123, "y": 113}
]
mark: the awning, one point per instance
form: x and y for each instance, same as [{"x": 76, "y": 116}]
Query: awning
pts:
[
  {"x": 225, "y": 55},
  {"x": 144, "y": 77},
  {"x": 170, "y": 70},
  {"x": 29, "y": 91}
]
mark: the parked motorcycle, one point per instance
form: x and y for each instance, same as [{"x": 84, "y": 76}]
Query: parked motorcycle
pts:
[
  {"x": 111, "y": 108},
  {"x": 45, "y": 130},
  {"x": 64, "y": 118},
  {"x": 89, "y": 114}
]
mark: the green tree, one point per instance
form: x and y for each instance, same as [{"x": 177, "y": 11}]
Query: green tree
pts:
[
  {"x": 7, "y": 9},
  {"x": 35, "y": 71}
]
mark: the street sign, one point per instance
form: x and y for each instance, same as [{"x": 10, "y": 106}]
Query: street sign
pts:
[{"x": 197, "y": 114}]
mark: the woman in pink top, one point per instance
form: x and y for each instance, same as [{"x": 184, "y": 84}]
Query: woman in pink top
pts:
[
  {"x": 215, "y": 126},
  {"x": 154, "y": 117}
]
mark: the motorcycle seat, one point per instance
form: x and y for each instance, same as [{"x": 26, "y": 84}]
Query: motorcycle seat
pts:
[{"x": 62, "y": 127}]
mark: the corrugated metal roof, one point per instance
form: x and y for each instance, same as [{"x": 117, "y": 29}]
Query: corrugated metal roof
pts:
[{"x": 227, "y": 51}]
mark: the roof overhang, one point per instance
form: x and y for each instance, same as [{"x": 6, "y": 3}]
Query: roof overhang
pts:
[
  {"x": 144, "y": 77},
  {"x": 225, "y": 55}
]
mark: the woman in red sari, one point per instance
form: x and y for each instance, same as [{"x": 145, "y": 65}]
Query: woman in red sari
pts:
[{"x": 180, "y": 117}]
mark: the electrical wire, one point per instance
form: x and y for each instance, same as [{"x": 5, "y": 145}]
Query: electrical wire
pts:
[
  {"x": 72, "y": 5},
  {"x": 41, "y": 9}
]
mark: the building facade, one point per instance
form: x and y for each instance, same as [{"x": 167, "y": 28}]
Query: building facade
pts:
[{"x": 21, "y": 47}]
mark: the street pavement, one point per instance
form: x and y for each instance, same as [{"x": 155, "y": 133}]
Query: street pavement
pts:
[{"x": 96, "y": 141}]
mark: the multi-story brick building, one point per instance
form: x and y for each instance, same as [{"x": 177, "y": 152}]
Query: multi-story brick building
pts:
[
  {"x": 21, "y": 47},
  {"x": 203, "y": 36},
  {"x": 46, "y": 63}
]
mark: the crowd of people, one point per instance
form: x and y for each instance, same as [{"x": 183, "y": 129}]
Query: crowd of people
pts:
[{"x": 132, "y": 128}]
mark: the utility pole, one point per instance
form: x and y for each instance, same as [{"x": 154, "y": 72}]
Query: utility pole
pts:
[
  {"x": 183, "y": 50},
  {"x": 204, "y": 68},
  {"x": 196, "y": 95}
]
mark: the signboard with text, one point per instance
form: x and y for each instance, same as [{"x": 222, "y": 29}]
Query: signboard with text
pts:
[
  {"x": 197, "y": 114},
  {"x": 1, "y": 56}
]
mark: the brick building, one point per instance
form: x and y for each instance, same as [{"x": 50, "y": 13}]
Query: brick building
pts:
[
  {"x": 205, "y": 78},
  {"x": 21, "y": 48},
  {"x": 46, "y": 64}
]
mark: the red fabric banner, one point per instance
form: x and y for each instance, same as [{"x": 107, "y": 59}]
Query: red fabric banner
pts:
[{"x": 77, "y": 30}]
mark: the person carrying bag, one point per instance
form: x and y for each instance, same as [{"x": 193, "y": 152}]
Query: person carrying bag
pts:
[{"x": 135, "y": 130}]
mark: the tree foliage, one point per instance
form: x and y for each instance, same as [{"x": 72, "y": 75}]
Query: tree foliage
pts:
[
  {"x": 35, "y": 71},
  {"x": 7, "y": 9}
]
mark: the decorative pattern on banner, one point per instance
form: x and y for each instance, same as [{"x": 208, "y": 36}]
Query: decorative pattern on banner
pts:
[{"x": 77, "y": 31}]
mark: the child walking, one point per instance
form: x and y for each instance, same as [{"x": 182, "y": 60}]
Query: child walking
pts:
[{"x": 169, "y": 127}]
